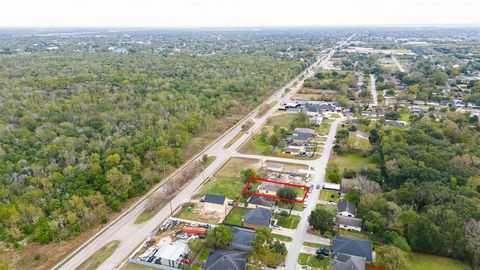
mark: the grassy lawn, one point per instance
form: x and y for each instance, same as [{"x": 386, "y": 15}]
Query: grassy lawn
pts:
[
  {"x": 282, "y": 237},
  {"x": 99, "y": 256},
  {"x": 235, "y": 216},
  {"x": 323, "y": 128},
  {"x": 331, "y": 208},
  {"x": 229, "y": 187},
  {"x": 144, "y": 216},
  {"x": 315, "y": 245},
  {"x": 256, "y": 146},
  {"x": 334, "y": 116},
  {"x": 281, "y": 120},
  {"x": 232, "y": 141},
  {"x": 289, "y": 222},
  {"x": 353, "y": 161},
  {"x": 329, "y": 195},
  {"x": 134, "y": 266},
  {"x": 359, "y": 235},
  {"x": 420, "y": 261},
  {"x": 233, "y": 167},
  {"x": 311, "y": 260},
  {"x": 404, "y": 116},
  {"x": 287, "y": 205}
]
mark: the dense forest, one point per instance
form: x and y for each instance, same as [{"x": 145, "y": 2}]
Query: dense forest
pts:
[
  {"x": 431, "y": 188},
  {"x": 81, "y": 132}
]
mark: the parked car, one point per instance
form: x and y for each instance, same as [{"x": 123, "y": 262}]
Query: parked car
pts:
[
  {"x": 318, "y": 186},
  {"x": 323, "y": 251}
]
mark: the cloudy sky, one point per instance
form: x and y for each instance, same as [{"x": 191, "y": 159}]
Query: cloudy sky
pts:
[{"x": 227, "y": 13}]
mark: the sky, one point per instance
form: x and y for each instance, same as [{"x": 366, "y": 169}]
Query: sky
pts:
[{"x": 236, "y": 13}]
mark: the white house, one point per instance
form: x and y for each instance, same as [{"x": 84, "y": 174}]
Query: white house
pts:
[
  {"x": 215, "y": 204},
  {"x": 348, "y": 223},
  {"x": 346, "y": 208}
]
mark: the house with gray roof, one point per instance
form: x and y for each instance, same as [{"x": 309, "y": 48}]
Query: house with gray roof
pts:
[
  {"x": 242, "y": 239},
  {"x": 258, "y": 217},
  {"x": 346, "y": 208},
  {"x": 354, "y": 247},
  {"x": 348, "y": 223},
  {"x": 347, "y": 262},
  {"x": 226, "y": 260},
  {"x": 260, "y": 201}
]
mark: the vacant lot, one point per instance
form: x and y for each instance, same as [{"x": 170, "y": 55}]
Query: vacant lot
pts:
[
  {"x": 256, "y": 146},
  {"x": 351, "y": 161},
  {"x": 233, "y": 167},
  {"x": 281, "y": 120},
  {"x": 420, "y": 261},
  {"x": 228, "y": 187}
]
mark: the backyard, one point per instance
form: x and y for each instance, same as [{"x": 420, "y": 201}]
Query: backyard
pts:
[
  {"x": 418, "y": 261},
  {"x": 235, "y": 216},
  {"x": 329, "y": 195},
  {"x": 313, "y": 261}
]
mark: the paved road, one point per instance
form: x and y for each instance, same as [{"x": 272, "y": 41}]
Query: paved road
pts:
[
  {"x": 398, "y": 64},
  {"x": 301, "y": 231},
  {"x": 132, "y": 235},
  {"x": 373, "y": 90}
]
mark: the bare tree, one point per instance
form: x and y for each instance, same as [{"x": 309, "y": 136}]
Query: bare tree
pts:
[
  {"x": 367, "y": 186},
  {"x": 472, "y": 230}
]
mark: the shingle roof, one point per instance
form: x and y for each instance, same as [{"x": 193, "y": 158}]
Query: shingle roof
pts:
[
  {"x": 242, "y": 239},
  {"x": 226, "y": 260},
  {"x": 259, "y": 217},
  {"x": 210, "y": 198},
  {"x": 352, "y": 246},
  {"x": 349, "y": 221},
  {"x": 259, "y": 200},
  {"x": 346, "y": 206},
  {"x": 269, "y": 187},
  {"x": 347, "y": 262}
]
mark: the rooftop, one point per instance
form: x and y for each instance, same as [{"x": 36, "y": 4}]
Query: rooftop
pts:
[
  {"x": 258, "y": 217},
  {"x": 226, "y": 260},
  {"x": 352, "y": 246},
  {"x": 216, "y": 199}
]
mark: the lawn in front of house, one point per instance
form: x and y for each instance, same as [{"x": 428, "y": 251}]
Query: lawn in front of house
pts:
[
  {"x": 329, "y": 195},
  {"x": 313, "y": 261},
  {"x": 286, "y": 206},
  {"x": 235, "y": 216},
  {"x": 419, "y": 261},
  {"x": 282, "y": 120},
  {"x": 282, "y": 237},
  {"x": 289, "y": 222},
  {"x": 315, "y": 245}
]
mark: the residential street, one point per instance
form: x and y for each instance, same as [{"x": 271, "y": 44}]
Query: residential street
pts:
[
  {"x": 373, "y": 90},
  {"x": 132, "y": 235},
  {"x": 301, "y": 232},
  {"x": 398, "y": 64}
]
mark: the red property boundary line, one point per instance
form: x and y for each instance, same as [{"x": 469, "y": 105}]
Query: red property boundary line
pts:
[{"x": 254, "y": 179}]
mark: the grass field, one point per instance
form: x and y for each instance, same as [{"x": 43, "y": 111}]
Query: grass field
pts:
[
  {"x": 282, "y": 237},
  {"x": 312, "y": 261},
  {"x": 99, "y": 256},
  {"x": 359, "y": 235},
  {"x": 194, "y": 212},
  {"x": 420, "y": 261},
  {"x": 134, "y": 266},
  {"x": 323, "y": 128},
  {"x": 289, "y": 222},
  {"x": 329, "y": 195},
  {"x": 235, "y": 216},
  {"x": 286, "y": 206},
  {"x": 144, "y": 216},
  {"x": 353, "y": 161},
  {"x": 256, "y": 146},
  {"x": 281, "y": 120}
]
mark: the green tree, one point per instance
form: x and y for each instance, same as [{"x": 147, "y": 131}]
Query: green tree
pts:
[
  {"x": 220, "y": 238},
  {"x": 321, "y": 220},
  {"x": 391, "y": 258}
]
